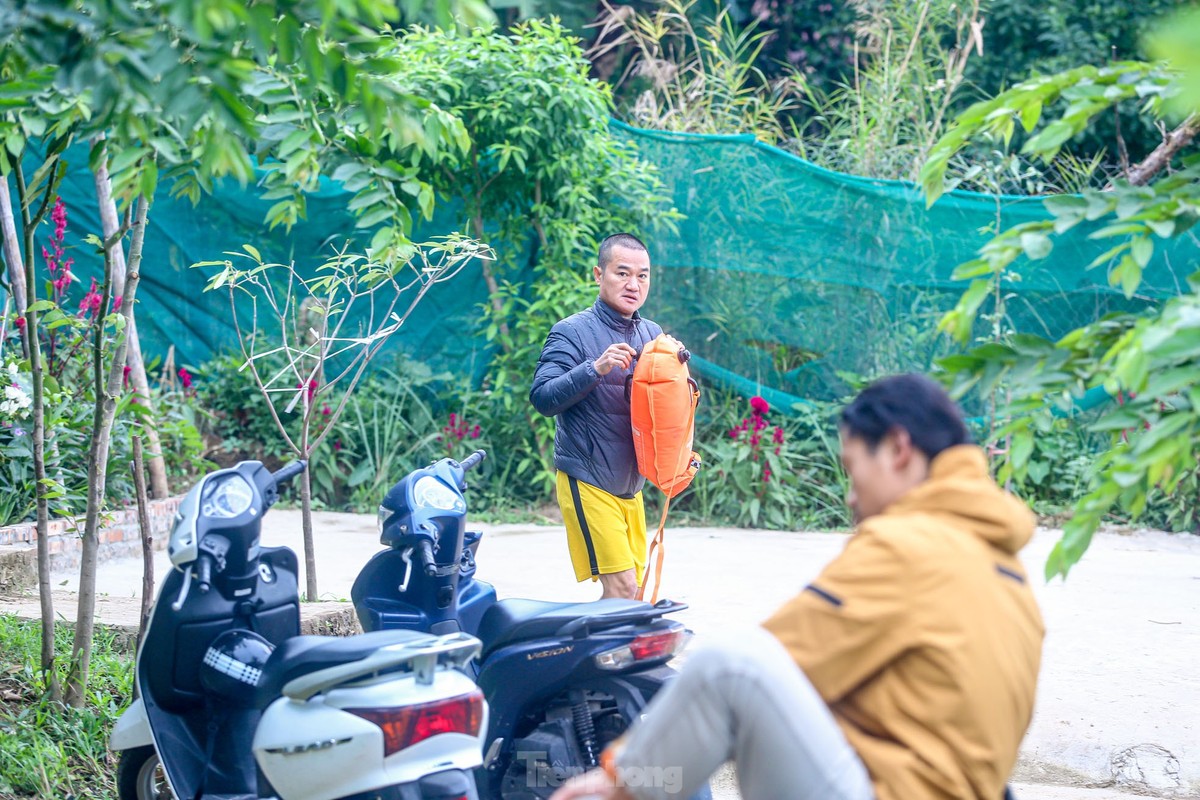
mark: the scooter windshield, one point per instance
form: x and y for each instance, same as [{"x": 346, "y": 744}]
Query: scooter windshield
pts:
[{"x": 184, "y": 544}]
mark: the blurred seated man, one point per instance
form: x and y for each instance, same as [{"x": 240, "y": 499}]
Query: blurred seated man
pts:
[{"x": 905, "y": 671}]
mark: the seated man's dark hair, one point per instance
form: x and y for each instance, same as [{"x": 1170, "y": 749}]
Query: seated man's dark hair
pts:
[
  {"x": 626, "y": 240},
  {"x": 912, "y": 402}
]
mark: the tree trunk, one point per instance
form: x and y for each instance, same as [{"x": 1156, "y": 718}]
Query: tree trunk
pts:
[
  {"x": 12, "y": 248},
  {"x": 310, "y": 556},
  {"x": 106, "y": 406},
  {"x": 492, "y": 286},
  {"x": 137, "y": 366},
  {"x": 139, "y": 482},
  {"x": 34, "y": 351}
]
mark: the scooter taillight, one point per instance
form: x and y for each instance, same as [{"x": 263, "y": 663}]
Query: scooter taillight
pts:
[
  {"x": 404, "y": 726},
  {"x": 659, "y": 644}
]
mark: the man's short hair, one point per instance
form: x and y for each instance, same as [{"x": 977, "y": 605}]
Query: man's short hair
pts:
[
  {"x": 912, "y": 402},
  {"x": 626, "y": 240}
]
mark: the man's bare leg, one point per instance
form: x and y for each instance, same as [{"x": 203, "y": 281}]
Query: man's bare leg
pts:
[{"x": 619, "y": 584}]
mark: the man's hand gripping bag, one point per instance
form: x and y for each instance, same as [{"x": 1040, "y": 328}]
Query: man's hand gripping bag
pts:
[{"x": 662, "y": 404}]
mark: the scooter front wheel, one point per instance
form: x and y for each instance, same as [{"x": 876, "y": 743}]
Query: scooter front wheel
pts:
[{"x": 140, "y": 776}]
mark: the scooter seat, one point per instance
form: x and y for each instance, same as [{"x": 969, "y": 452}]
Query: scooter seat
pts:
[
  {"x": 515, "y": 620},
  {"x": 301, "y": 655}
]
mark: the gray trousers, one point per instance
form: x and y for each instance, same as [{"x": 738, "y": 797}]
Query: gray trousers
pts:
[{"x": 744, "y": 700}]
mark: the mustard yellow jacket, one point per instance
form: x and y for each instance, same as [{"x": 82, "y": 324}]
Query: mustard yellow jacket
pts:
[{"x": 924, "y": 638}]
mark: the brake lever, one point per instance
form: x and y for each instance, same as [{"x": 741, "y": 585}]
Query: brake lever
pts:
[{"x": 183, "y": 592}]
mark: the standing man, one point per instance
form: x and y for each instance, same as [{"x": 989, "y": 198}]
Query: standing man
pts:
[{"x": 580, "y": 381}]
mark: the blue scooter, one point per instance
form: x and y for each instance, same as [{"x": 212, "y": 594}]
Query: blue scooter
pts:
[{"x": 562, "y": 680}]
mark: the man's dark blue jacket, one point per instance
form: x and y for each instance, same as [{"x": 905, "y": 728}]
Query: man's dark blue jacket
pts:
[{"x": 593, "y": 441}]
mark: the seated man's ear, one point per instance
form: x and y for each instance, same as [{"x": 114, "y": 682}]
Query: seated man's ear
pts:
[{"x": 900, "y": 448}]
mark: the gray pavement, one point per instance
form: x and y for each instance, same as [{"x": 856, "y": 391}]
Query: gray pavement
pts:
[{"x": 1118, "y": 707}]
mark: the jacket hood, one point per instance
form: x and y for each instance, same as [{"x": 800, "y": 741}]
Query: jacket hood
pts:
[{"x": 959, "y": 484}]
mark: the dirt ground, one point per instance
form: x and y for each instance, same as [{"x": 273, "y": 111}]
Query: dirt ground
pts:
[{"x": 1118, "y": 708}]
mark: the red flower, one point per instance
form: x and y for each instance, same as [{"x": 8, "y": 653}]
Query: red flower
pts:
[
  {"x": 759, "y": 405},
  {"x": 754, "y": 440},
  {"x": 20, "y": 323},
  {"x": 185, "y": 378},
  {"x": 125, "y": 377},
  {"x": 766, "y": 474},
  {"x": 778, "y": 435},
  {"x": 325, "y": 410},
  {"x": 475, "y": 432}
]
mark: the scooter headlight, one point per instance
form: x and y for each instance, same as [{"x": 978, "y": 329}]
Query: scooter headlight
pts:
[
  {"x": 429, "y": 492},
  {"x": 228, "y": 497}
]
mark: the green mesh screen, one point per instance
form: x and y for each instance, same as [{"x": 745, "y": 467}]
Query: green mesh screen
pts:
[
  {"x": 173, "y": 308},
  {"x": 784, "y": 279}
]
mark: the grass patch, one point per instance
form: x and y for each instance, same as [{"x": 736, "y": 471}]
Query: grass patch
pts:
[{"x": 46, "y": 750}]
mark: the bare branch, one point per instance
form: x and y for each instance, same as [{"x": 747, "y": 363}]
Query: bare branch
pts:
[{"x": 1141, "y": 173}]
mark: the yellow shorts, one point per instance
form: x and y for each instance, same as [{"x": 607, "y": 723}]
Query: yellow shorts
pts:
[{"x": 605, "y": 534}]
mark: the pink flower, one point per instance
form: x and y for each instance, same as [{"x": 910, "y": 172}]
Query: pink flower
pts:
[
  {"x": 759, "y": 423},
  {"x": 185, "y": 378},
  {"x": 325, "y": 411},
  {"x": 759, "y": 405},
  {"x": 90, "y": 304},
  {"x": 20, "y": 323},
  {"x": 312, "y": 389},
  {"x": 337, "y": 445},
  {"x": 777, "y": 437},
  {"x": 766, "y": 474},
  {"x": 116, "y": 306},
  {"x": 776, "y": 451},
  {"x": 475, "y": 432},
  {"x": 125, "y": 376},
  {"x": 734, "y": 432},
  {"x": 453, "y": 417},
  {"x": 754, "y": 440}
]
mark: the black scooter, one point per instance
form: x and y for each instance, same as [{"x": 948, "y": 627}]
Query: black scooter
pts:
[{"x": 562, "y": 680}]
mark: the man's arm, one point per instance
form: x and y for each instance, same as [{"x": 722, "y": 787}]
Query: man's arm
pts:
[
  {"x": 564, "y": 376},
  {"x": 853, "y": 619}
]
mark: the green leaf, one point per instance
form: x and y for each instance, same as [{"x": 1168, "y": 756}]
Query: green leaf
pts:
[
  {"x": 126, "y": 159},
  {"x": 148, "y": 184},
  {"x": 1142, "y": 248},
  {"x": 1127, "y": 275},
  {"x": 1036, "y": 245}
]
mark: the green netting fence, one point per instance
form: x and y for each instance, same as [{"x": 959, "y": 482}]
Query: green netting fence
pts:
[{"x": 783, "y": 278}]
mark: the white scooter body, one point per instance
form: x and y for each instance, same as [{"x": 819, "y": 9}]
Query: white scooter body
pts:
[{"x": 320, "y": 717}]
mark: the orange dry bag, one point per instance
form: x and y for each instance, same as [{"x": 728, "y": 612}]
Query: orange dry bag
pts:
[{"x": 662, "y": 404}]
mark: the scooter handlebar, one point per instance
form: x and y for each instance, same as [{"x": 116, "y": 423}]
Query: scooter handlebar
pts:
[
  {"x": 204, "y": 573},
  {"x": 425, "y": 552},
  {"x": 289, "y": 471},
  {"x": 472, "y": 461}
]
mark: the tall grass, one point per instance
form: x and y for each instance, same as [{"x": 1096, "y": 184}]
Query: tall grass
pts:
[
  {"x": 48, "y": 750},
  {"x": 694, "y": 73}
]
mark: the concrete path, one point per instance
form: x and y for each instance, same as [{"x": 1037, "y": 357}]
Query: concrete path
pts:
[{"x": 1118, "y": 700}]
